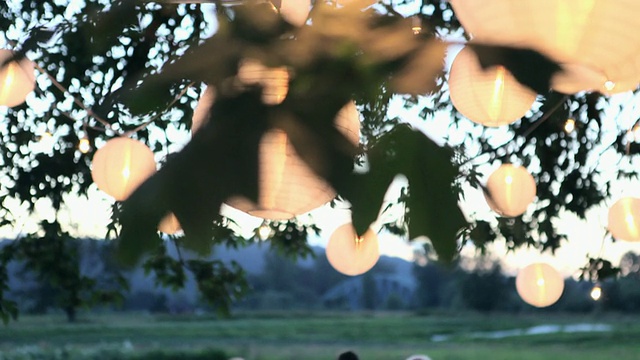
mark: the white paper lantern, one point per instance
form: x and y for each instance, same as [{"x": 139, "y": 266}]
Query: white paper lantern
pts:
[
  {"x": 295, "y": 12},
  {"x": 169, "y": 224},
  {"x": 350, "y": 254},
  {"x": 288, "y": 187},
  {"x": 594, "y": 39},
  {"x": 624, "y": 219},
  {"x": 539, "y": 284},
  {"x": 121, "y": 165},
  {"x": 492, "y": 96},
  {"x": 17, "y": 79},
  {"x": 512, "y": 189},
  {"x": 274, "y": 81}
]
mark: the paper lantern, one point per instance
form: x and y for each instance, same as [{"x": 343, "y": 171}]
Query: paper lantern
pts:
[
  {"x": 593, "y": 40},
  {"x": 121, "y": 165},
  {"x": 511, "y": 189},
  {"x": 201, "y": 112},
  {"x": 350, "y": 254},
  {"x": 274, "y": 81},
  {"x": 624, "y": 219},
  {"x": 539, "y": 284},
  {"x": 295, "y": 12},
  {"x": 16, "y": 79},
  {"x": 492, "y": 96},
  {"x": 169, "y": 224},
  {"x": 596, "y": 292},
  {"x": 288, "y": 187}
]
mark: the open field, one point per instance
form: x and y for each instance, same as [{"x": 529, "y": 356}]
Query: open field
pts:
[{"x": 321, "y": 336}]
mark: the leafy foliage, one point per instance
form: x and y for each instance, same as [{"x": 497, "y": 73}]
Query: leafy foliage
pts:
[{"x": 54, "y": 259}]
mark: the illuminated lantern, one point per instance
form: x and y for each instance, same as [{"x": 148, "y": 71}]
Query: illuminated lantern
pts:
[
  {"x": 295, "y": 12},
  {"x": 201, "y": 112},
  {"x": 288, "y": 187},
  {"x": 16, "y": 79},
  {"x": 492, "y": 96},
  {"x": 596, "y": 292},
  {"x": 591, "y": 39},
  {"x": 169, "y": 224},
  {"x": 84, "y": 145},
  {"x": 274, "y": 81},
  {"x": 511, "y": 189},
  {"x": 350, "y": 254},
  {"x": 121, "y": 165},
  {"x": 539, "y": 284},
  {"x": 624, "y": 219},
  {"x": 264, "y": 231}
]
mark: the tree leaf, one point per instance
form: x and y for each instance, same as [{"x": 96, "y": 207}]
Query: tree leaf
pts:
[
  {"x": 529, "y": 67},
  {"x": 432, "y": 204},
  {"x": 220, "y": 161}
]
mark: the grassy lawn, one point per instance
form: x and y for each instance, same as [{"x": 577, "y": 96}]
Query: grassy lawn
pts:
[{"x": 321, "y": 336}]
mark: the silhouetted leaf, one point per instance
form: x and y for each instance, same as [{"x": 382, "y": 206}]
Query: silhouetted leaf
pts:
[
  {"x": 220, "y": 161},
  {"x": 529, "y": 67},
  {"x": 432, "y": 204}
]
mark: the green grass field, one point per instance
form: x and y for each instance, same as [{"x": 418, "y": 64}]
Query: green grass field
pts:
[{"x": 318, "y": 336}]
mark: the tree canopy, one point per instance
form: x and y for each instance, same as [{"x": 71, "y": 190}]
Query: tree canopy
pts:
[{"x": 136, "y": 68}]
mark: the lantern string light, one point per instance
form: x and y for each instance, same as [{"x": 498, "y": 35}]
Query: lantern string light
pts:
[
  {"x": 160, "y": 113},
  {"x": 596, "y": 292},
  {"x": 13, "y": 45},
  {"x": 264, "y": 230},
  {"x": 569, "y": 125},
  {"x": 76, "y": 100},
  {"x": 84, "y": 142},
  {"x": 526, "y": 133},
  {"x": 416, "y": 25},
  {"x": 545, "y": 116}
]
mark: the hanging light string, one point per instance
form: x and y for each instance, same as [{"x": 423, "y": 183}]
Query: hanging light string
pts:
[
  {"x": 544, "y": 117},
  {"x": 526, "y": 133},
  {"x": 67, "y": 92},
  {"x": 89, "y": 111},
  {"x": 160, "y": 113},
  {"x": 85, "y": 123}
]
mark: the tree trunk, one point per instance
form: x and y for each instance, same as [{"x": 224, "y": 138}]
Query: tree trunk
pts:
[{"x": 71, "y": 314}]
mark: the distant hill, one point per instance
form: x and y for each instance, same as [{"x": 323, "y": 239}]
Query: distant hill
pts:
[{"x": 143, "y": 290}]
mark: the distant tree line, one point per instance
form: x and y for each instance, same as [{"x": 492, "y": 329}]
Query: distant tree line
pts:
[
  {"x": 90, "y": 279},
  {"x": 484, "y": 287}
]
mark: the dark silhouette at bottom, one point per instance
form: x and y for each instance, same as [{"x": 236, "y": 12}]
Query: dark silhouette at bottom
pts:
[{"x": 349, "y": 355}]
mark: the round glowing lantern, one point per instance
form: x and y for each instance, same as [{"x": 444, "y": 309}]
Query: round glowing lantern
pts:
[
  {"x": 274, "y": 81},
  {"x": 539, "y": 284},
  {"x": 592, "y": 40},
  {"x": 624, "y": 219},
  {"x": 169, "y": 224},
  {"x": 201, "y": 112},
  {"x": 510, "y": 190},
  {"x": 288, "y": 187},
  {"x": 295, "y": 12},
  {"x": 492, "y": 96},
  {"x": 16, "y": 79},
  {"x": 350, "y": 254},
  {"x": 121, "y": 165}
]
